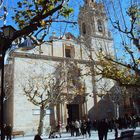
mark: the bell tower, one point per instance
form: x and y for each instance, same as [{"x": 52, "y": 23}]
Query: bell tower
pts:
[
  {"x": 92, "y": 21},
  {"x": 95, "y": 37}
]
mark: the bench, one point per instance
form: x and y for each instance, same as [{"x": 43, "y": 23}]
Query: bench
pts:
[
  {"x": 128, "y": 134},
  {"x": 15, "y": 133}
]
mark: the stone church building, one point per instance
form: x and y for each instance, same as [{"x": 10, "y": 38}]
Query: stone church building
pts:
[{"x": 41, "y": 60}]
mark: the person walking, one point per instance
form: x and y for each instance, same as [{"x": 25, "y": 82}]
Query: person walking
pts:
[
  {"x": 105, "y": 129},
  {"x": 59, "y": 128},
  {"x": 77, "y": 126},
  {"x": 72, "y": 128},
  {"x": 8, "y": 131},
  {"x": 80, "y": 123},
  {"x": 88, "y": 127},
  {"x": 67, "y": 127},
  {"x": 83, "y": 128},
  {"x": 116, "y": 126},
  {"x": 100, "y": 130},
  {"x": 4, "y": 131},
  {"x": 37, "y": 137}
]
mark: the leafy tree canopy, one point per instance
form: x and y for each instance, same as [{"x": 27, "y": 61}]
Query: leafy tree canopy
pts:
[{"x": 35, "y": 16}]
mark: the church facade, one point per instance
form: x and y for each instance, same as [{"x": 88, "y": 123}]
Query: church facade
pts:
[{"x": 42, "y": 60}]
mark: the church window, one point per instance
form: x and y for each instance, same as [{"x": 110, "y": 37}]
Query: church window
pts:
[
  {"x": 69, "y": 51},
  {"x": 100, "y": 26},
  {"x": 83, "y": 28}
]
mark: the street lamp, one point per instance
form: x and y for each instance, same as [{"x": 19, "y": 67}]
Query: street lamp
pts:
[{"x": 5, "y": 44}]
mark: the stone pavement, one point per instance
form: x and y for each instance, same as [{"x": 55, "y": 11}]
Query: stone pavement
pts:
[{"x": 66, "y": 136}]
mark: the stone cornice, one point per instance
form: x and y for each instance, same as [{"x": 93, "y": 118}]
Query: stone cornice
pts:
[{"x": 51, "y": 58}]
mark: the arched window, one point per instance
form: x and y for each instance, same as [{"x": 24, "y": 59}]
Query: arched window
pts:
[
  {"x": 83, "y": 28},
  {"x": 100, "y": 25}
]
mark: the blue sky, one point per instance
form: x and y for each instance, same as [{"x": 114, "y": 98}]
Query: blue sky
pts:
[{"x": 10, "y": 4}]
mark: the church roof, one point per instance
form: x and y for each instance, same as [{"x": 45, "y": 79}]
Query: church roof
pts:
[{"x": 70, "y": 36}]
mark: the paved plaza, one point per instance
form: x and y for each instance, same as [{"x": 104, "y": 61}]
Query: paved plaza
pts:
[{"x": 66, "y": 136}]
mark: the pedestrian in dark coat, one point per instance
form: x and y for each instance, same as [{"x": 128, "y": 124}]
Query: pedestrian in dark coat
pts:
[
  {"x": 116, "y": 126},
  {"x": 100, "y": 130},
  {"x": 105, "y": 128},
  {"x": 59, "y": 128},
  {"x": 72, "y": 128},
  {"x": 4, "y": 131},
  {"x": 67, "y": 128},
  {"x": 88, "y": 127},
  {"x": 83, "y": 128},
  {"x": 8, "y": 132},
  {"x": 37, "y": 137}
]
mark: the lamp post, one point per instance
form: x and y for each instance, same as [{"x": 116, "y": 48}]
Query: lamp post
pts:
[{"x": 5, "y": 44}]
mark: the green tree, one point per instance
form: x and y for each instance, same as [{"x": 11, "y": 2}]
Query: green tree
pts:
[{"x": 35, "y": 16}]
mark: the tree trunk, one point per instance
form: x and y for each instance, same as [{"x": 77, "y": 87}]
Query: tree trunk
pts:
[{"x": 41, "y": 120}]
